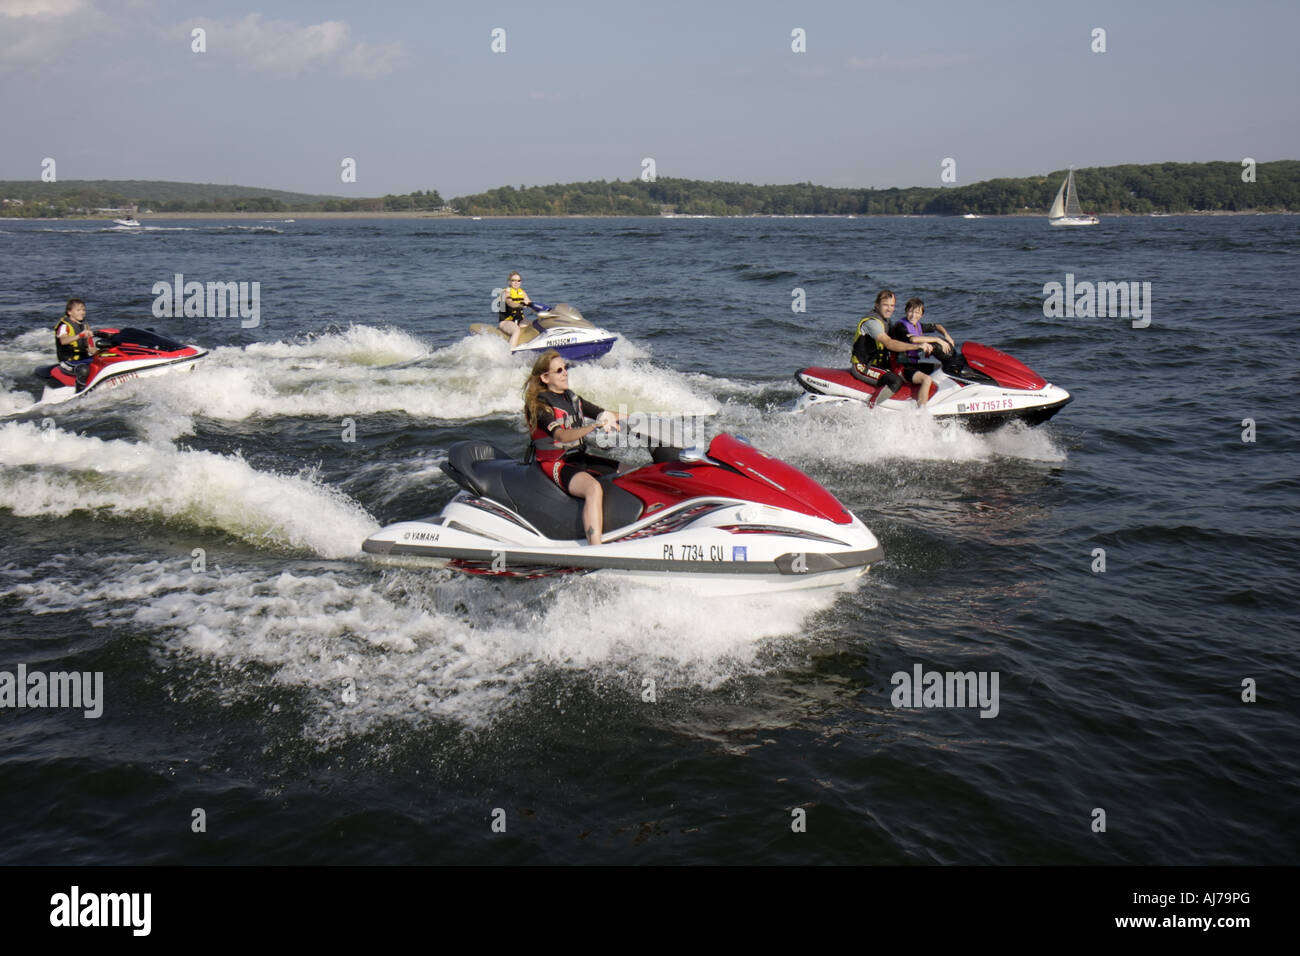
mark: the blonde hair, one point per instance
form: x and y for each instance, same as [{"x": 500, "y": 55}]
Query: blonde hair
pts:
[{"x": 533, "y": 387}]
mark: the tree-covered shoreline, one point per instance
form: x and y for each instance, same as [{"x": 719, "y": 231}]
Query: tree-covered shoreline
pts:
[{"x": 1111, "y": 190}]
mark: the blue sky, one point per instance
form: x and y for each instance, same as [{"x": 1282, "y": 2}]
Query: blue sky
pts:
[{"x": 111, "y": 89}]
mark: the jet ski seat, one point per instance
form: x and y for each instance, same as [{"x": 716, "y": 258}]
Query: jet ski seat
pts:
[
  {"x": 485, "y": 470},
  {"x": 462, "y": 467}
]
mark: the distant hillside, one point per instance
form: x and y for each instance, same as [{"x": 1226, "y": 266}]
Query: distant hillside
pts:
[
  {"x": 81, "y": 197},
  {"x": 1165, "y": 187},
  {"x": 1156, "y": 187}
]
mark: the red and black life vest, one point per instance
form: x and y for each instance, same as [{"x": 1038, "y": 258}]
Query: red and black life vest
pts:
[{"x": 546, "y": 447}]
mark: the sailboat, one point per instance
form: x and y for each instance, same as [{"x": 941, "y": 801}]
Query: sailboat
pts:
[{"x": 1065, "y": 209}]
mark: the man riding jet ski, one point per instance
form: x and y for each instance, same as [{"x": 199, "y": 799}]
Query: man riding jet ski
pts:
[
  {"x": 730, "y": 519},
  {"x": 976, "y": 385},
  {"x": 990, "y": 389}
]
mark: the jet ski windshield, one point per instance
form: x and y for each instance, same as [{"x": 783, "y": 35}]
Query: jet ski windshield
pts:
[
  {"x": 562, "y": 316},
  {"x": 554, "y": 321},
  {"x": 143, "y": 337}
]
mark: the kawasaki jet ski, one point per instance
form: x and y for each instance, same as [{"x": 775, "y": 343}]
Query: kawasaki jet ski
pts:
[
  {"x": 978, "y": 386},
  {"x": 561, "y": 328},
  {"x": 728, "y": 520},
  {"x": 124, "y": 355}
]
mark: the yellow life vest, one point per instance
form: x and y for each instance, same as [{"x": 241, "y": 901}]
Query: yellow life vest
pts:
[{"x": 512, "y": 303}]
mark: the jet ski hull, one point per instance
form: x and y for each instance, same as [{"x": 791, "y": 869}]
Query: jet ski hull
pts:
[
  {"x": 129, "y": 354},
  {"x": 574, "y": 345},
  {"x": 664, "y": 522},
  {"x": 562, "y": 329},
  {"x": 719, "y": 560},
  {"x": 992, "y": 390}
]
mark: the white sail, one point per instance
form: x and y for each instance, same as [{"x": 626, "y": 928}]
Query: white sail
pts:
[
  {"x": 1058, "y": 204},
  {"x": 1065, "y": 209}
]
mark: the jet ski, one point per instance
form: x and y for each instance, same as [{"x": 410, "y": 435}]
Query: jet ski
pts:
[
  {"x": 979, "y": 386},
  {"x": 726, "y": 520},
  {"x": 561, "y": 328},
  {"x": 125, "y": 354}
]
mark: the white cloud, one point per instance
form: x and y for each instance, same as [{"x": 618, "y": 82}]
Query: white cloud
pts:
[
  {"x": 374, "y": 59},
  {"x": 37, "y": 30},
  {"x": 42, "y": 8},
  {"x": 288, "y": 47}
]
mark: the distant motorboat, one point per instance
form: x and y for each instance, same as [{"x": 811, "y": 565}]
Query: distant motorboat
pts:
[
  {"x": 972, "y": 215},
  {"x": 128, "y": 222},
  {"x": 1065, "y": 209}
]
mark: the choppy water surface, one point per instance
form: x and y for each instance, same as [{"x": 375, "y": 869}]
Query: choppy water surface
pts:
[{"x": 326, "y": 708}]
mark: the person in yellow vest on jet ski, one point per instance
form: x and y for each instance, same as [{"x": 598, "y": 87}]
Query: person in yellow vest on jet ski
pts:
[
  {"x": 74, "y": 341},
  {"x": 511, "y": 319}
]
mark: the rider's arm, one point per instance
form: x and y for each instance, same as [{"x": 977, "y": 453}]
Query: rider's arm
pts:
[
  {"x": 547, "y": 419},
  {"x": 936, "y": 327},
  {"x": 896, "y": 346},
  {"x": 572, "y": 434},
  {"x": 68, "y": 337}
]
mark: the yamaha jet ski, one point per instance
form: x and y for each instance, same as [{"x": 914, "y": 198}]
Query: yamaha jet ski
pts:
[
  {"x": 124, "y": 354},
  {"x": 728, "y": 520},
  {"x": 561, "y": 328},
  {"x": 978, "y": 386}
]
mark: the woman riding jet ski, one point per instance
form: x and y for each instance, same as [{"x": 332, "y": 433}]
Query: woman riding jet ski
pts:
[
  {"x": 561, "y": 328},
  {"x": 120, "y": 355},
  {"x": 732, "y": 519}
]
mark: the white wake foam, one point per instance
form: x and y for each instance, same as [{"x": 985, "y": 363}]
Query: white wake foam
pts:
[
  {"x": 853, "y": 433},
  {"x": 45, "y": 471},
  {"x": 371, "y": 647}
]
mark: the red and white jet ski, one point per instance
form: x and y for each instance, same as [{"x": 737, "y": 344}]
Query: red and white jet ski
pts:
[
  {"x": 983, "y": 388},
  {"x": 125, "y": 354},
  {"x": 732, "y": 520}
]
